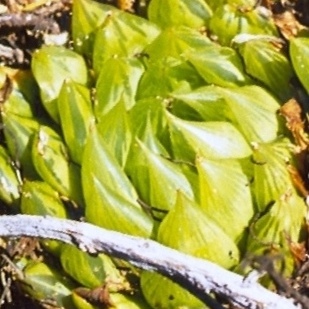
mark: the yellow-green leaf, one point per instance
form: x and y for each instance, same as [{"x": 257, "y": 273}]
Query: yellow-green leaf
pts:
[
  {"x": 51, "y": 65},
  {"x": 76, "y": 117},
  {"x": 271, "y": 176},
  {"x": 52, "y": 163},
  {"x": 225, "y": 195},
  {"x": 89, "y": 271},
  {"x": 212, "y": 140},
  {"x": 166, "y": 13},
  {"x": 117, "y": 81}
]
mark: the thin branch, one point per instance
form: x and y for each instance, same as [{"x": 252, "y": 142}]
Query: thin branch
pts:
[
  {"x": 28, "y": 20},
  {"x": 198, "y": 276}
]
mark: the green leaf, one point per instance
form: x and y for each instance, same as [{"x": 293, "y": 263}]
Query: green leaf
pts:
[
  {"x": 150, "y": 112},
  {"x": 271, "y": 176},
  {"x": 17, "y": 105},
  {"x": 219, "y": 66},
  {"x": 299, "y": 51},
  {"x": 39, "y": 198},
  {"x": 87, "y": 270},
  {"x": 123, "y": 35},
  {"x": 51, "y": 65},
  {"x": 76, "y": 116},
  {"x": 166, "y": 13},
  {"x": 87, "y": 17},
  {"x": 149, "y": 138},
  {"x": 161, "y": 292},
  {"x": 230, "y": 19},
  {"x": 123, "y": 301},
  {"x": 99, "y": 161},
  {"x": 51, "y": 161},
  {"x": 214, "y": 4},
  {"x": 81, "y": 303},
  {"x": 204, "y": 103},
  {"x": 113, "y": 210},
  {"x": 212, "y": 140},
  {"x": 146, "y": 167},
  {"x": 265, "y": 62},
  {"x": 115, "y": 129},
  {"x": 43, "y": 282},
  {"x": 252, "y": 109},
  {"x": 282, "y": 221},
  {"x": 166, "y": 75},
  {"x": 118, "y": 80},
  {"x": 174, "y": 41},
  {"x": 278, "y": 229},
  {"x": 225, "y": 195},
  {"x": 207, "y": 240},
  {"x": 9, "y": 182},
  {"x": 25, "y": 84},
  {"x": 111, "y": 200},
  {"x": 19, "y": 133}
]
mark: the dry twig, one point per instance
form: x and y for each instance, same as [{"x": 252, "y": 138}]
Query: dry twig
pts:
[{"x": 198, "y": 276}]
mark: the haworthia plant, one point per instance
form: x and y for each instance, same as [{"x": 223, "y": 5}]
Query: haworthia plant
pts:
[{"x": 165, "y": 127}]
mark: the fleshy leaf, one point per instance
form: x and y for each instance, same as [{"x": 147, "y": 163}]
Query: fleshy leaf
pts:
[
  {"x": 219, "y": 66},
  {"x": 99, "y": 162},
  {"x": 26, "y": 87},
  {"x": 118, "y": 80},
  {"x": 17, "y": 105},
  {"x": 81, "y": 303},
  {"x": 282, "y": 222},
  {"x": 207, "y": 240},
  {"x": 204, "y": 103},
  {"x": 117, "y": 137},
  {"x": 299, "y": 51},
  {"x": 174, "y": 41},
  {"x": 254, "y": 112},
  {"x": 252, "y": 109},
  {"x": 146, "y": 168},
  {"x": 166, "y": 75},
  {"x": 267, "y": 63},
  {"x": 19, "y": 133},
  {"x": 87, "y": 17},
  {"x": 271, "y": 176},
  {"x": 76, "y": 117},
  {"x": 230, "y": 19},
  {"x": 113, "y": 210},
  {"x": 277, "y": 229},
  {"x": 161, "y": 292},
  {"x": 89, "y": 271},
  {"x": 54, "y": 166},
  {"x": 150, "y": 112},
  {"x": 212, "y": 140},
  {"x": 120, "y": 27},
  {"x": 123, "y": 301},
  {"x": 39, "y": 198},
  {"x": 111, "y": 200},
  {"x": 187, "y": 229},
  {"x": 149, "y": 138},
  {"x": 51, "y": 65},
  {"x": 167, "y": 13},
  {"x": 43, "y": 282},
  {"x": 225, "y": 195},
  {"x": 9, "y": 183}
]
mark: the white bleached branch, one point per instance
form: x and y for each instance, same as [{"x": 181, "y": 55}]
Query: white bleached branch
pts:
[{"x": 196, "y": 275}]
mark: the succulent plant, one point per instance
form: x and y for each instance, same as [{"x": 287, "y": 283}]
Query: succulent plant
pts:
[{"x": 166, "y": 128}]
